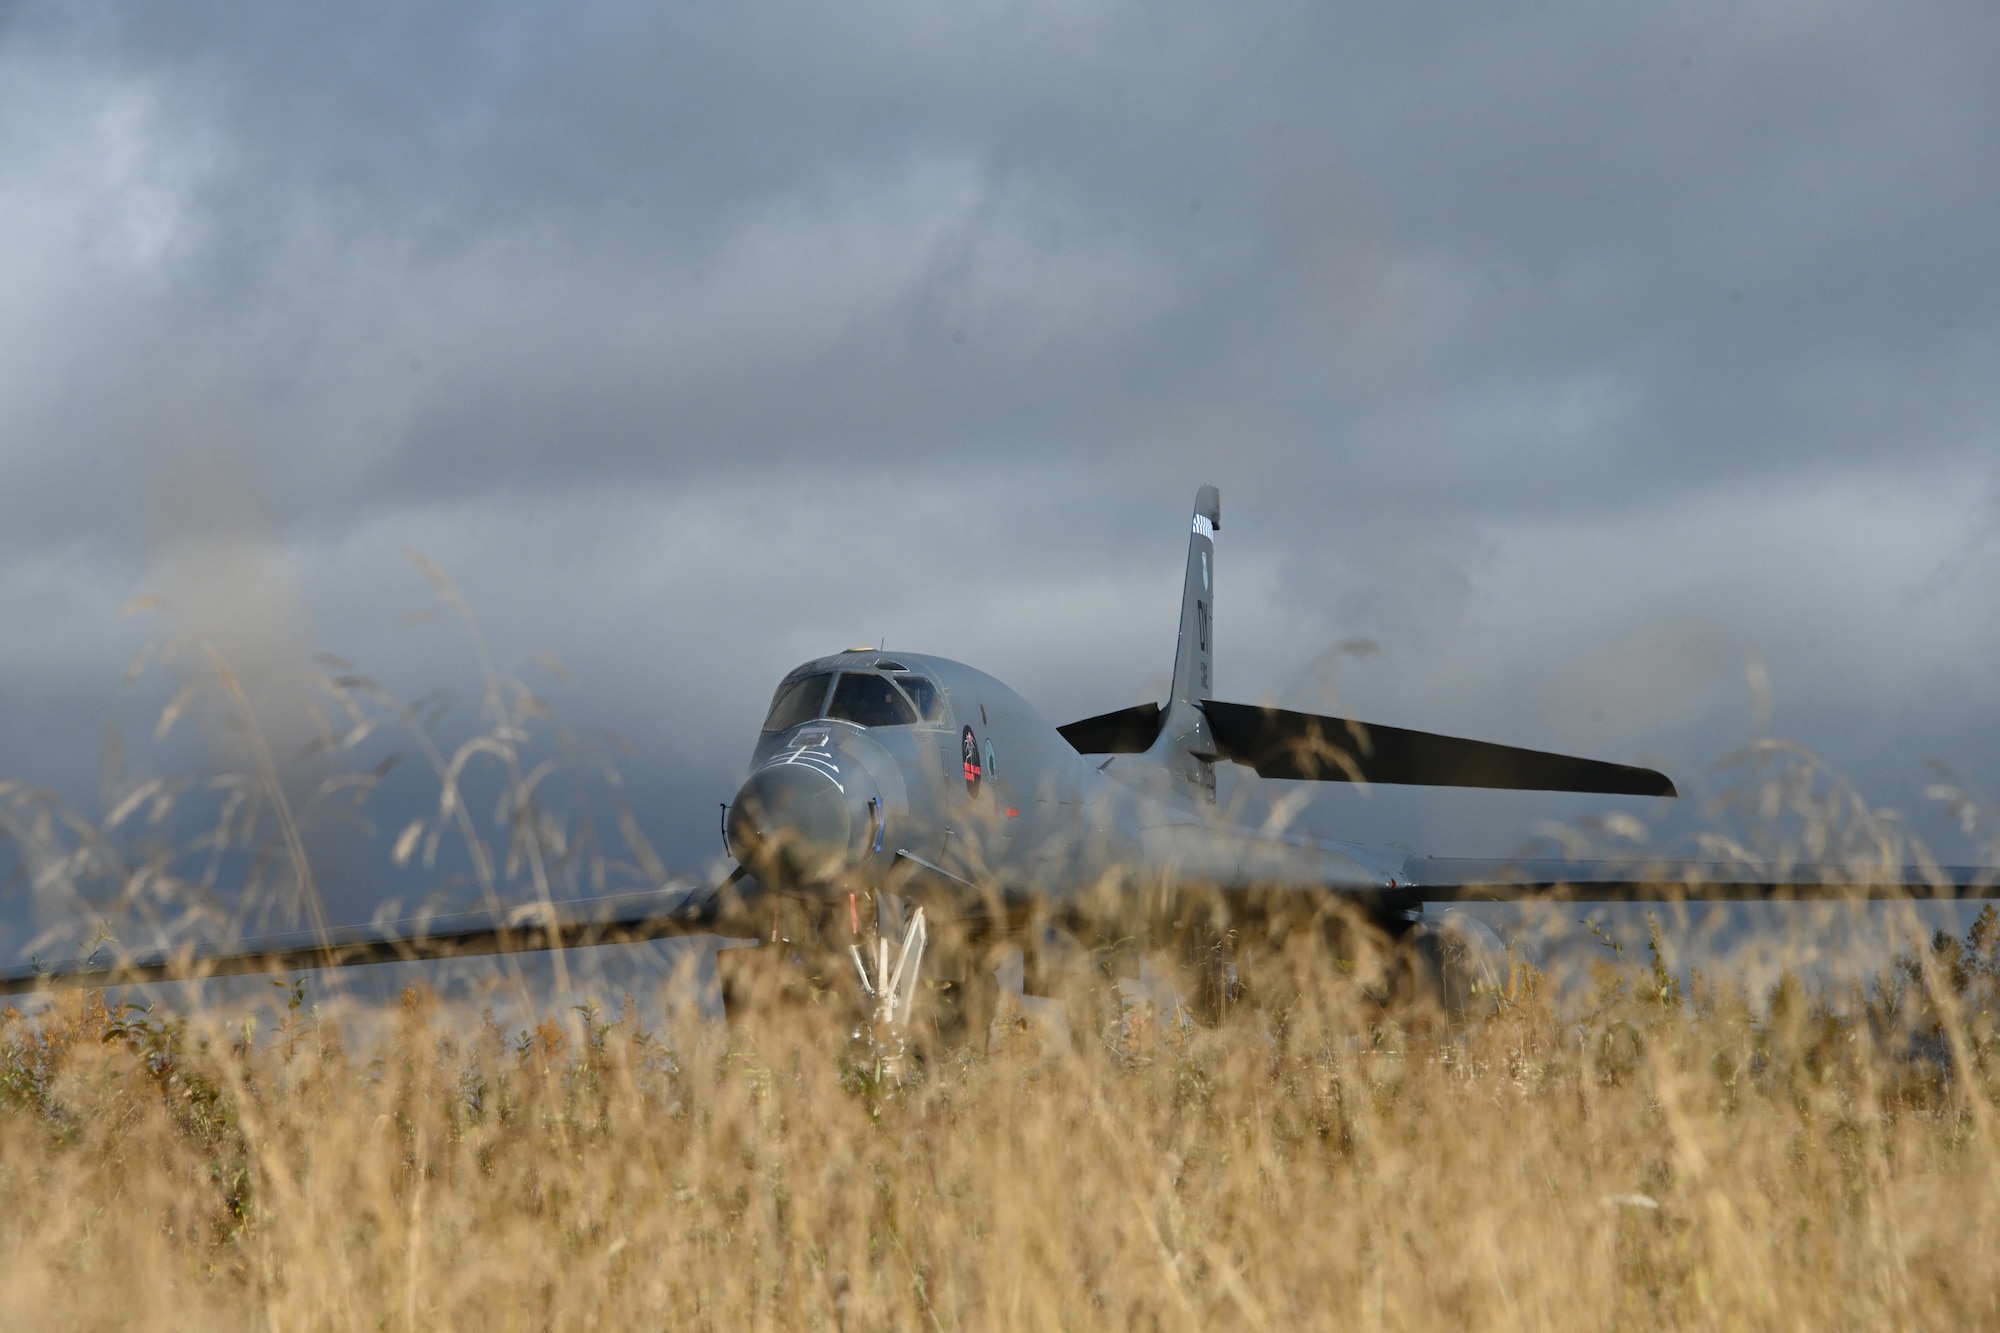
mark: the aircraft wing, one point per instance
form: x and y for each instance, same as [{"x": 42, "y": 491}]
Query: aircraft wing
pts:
[
  {"x": 615, "y": 919},
  {"x": 1425, "y": 880},
  {"x": 1470, "y": 879}
]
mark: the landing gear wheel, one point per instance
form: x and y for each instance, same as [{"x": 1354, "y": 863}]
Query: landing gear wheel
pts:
[{"x": 1458, "y": 963}]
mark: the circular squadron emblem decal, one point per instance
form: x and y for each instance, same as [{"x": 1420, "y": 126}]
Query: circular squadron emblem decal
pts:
[{"x": 968, "y": 749}]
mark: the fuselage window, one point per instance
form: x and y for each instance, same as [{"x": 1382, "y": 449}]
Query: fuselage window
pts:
[
  {"x": 797, "y": 701},
  {"x": 930, "y": 707},
  {"x": 869, "y": 701}
]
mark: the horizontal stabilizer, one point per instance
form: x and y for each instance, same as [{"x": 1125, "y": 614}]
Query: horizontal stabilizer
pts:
[
  {"x": 1127, "y": 731},
  {"x": 1279, "y": 743}
]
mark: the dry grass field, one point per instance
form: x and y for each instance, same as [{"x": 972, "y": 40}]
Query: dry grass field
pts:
[
  {"x": 1630, "y": 1152},
  {"x": 1635, "y": 1157}
]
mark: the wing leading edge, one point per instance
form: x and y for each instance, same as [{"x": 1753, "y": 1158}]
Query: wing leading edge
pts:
[
  {"x": 623, "y": 919},
  {"x": 1463, "y": 879}
]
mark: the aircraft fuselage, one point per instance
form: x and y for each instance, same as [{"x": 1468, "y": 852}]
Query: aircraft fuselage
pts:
[{"x": 908, "y": 770}]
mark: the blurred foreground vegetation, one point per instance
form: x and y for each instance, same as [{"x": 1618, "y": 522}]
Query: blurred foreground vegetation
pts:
[
  {"x": 1651, "y": 1158},
  {"x": 1653, "y": 1149}
]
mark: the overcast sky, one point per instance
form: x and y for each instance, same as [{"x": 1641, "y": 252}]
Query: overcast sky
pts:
[{"x": 1575, "y": 358}]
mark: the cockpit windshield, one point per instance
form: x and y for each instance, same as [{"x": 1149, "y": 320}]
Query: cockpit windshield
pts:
[
  {"x": 869, "y": 701},
  {"x": 925, "y": 696},
  {"x": 797, "y": 701}
]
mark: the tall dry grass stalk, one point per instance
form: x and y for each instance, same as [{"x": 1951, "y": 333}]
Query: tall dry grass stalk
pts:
[
  {"x": 503, "y": 806},
  {"x": 1629, "y": 1154},
  {"x": 1660, "y": 1161}
]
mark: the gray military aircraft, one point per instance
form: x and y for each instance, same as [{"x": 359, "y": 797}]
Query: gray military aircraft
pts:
[
  {"x": 929, "y": 791},
  {"x": 921, "y": 777}
]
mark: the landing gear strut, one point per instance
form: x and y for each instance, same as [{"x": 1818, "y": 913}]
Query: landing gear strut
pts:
[{"x": 888, "y": 975}]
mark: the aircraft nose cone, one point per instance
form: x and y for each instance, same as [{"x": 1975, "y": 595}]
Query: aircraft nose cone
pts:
[{"x": 790, "y": 823}]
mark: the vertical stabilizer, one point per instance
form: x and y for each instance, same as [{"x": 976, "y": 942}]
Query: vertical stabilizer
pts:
[{"x": 1185, "y": 745}]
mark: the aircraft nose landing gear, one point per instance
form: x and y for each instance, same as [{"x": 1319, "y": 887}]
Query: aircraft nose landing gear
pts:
[{"x": 889, "y": 974}]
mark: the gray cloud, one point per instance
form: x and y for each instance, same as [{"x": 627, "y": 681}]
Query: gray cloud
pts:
[{"x": 1570, "y": 358}]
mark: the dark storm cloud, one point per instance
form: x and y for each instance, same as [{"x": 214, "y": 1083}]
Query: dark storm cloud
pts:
[{"x": 1570, "y": 357}]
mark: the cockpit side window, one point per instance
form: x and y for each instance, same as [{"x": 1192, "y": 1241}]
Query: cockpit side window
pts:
[
  {"x": 930, "y": 705},
  {"x": 869, "y": 701},
  {"x": 797, "y": 701}
]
